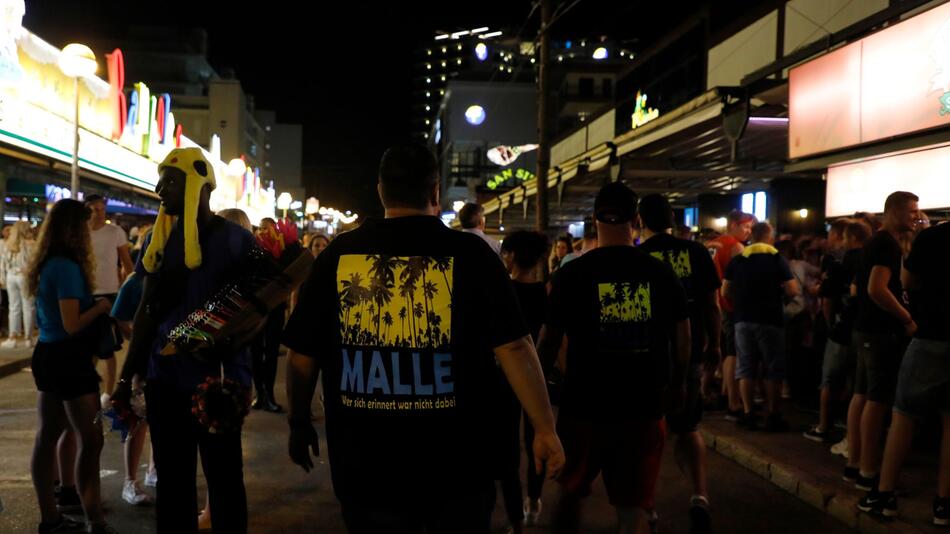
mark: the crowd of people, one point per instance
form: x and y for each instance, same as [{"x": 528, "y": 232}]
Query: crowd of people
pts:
[{"x": 442, "y": 351}]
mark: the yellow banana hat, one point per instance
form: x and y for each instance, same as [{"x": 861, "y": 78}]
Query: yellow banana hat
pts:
[{"x": 198, "y": 172}]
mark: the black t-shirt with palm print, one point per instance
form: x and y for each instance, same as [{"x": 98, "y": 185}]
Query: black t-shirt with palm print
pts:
[
  {"x": 403, "y": 315},
  {"x": 618, "y": 307}
]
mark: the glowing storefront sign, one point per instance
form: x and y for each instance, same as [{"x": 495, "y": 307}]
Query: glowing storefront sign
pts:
[
  {"x": 641, "y": 113},
  {"x": 893, "y": 82},
  {"x": 501, "y": 178},
  {"x": 863, "y": 186}
]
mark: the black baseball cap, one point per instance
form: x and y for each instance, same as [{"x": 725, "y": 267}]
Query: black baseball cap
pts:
[{"x": 615, "y": 204}]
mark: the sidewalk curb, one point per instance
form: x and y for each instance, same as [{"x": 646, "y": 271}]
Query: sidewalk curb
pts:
[
  {"x": 825, "y": 497},
  {"x": 11, "y": 368}
]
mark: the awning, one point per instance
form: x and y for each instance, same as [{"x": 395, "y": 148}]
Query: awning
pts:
[{"x": 683, "y": 154}]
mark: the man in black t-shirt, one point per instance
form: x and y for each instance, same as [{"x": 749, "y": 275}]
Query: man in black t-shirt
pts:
[
  {"x": 620, "y": 310},
  {"x": 756, "y": 281},
  {"x": 923, "y": 385},
  {"x": 694, "y": 267},
  {"x": 406, "y": 319},
  {"x": 881, "y": 328},
  {"x": 838, "y": 309}
]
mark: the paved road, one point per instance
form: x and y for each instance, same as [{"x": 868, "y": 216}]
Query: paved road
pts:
[{"x": 283, "y": 499}]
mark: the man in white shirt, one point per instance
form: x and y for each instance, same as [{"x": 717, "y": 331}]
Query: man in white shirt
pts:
[
  {"x": 111, "y": 247},
  {"x": 472, "y": 218}
]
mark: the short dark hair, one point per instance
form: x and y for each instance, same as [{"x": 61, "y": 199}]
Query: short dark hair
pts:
[
  {"x": 761, "y": 231},
  {"x": 859, "y": 231},
  {"x": 739, "y": 217},
  {"x": 899, "y": 199},
  {"x": 656, "y": 213},
  {"x": 406, "y": 175},
  {"x": 93, "y": 199},
  {"x": 528, "y": 248},
  {"x": 470, "y": 216}
]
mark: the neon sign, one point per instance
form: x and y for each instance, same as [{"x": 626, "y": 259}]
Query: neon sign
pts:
[
  {"x": 504, "y": 176},
  {"x": 641, "y": 113}
]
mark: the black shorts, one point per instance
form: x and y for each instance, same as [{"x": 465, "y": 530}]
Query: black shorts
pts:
[
  {"x": 627, "y": 454},
  {"x": 727, "y": 341},
  {"x": 108, "y": 355},
  {"x": 687, "y": 420},
  {"x": 65, "y": 369}
]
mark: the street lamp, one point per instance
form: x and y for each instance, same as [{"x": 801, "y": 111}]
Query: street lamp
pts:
[
  {"x": 284, "y": 200},
  {"x": 237, "y": 167},
  {"x": 76, "y": 61},
  {"x": 313, "y": 206}
]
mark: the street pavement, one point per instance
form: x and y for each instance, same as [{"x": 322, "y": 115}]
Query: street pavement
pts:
[{"x": 284, "y": 499}]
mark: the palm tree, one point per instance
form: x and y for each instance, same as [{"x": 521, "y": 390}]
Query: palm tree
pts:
[
  {"x": 407, "y": 290},
  {"x": 388, "y": 319},
  {"x": 402, "y": 316},
  {"x": 443, "y": 264},
  {"x": 352, "y": 294},
  {"x": 418, "y": 312},
  {"x": 429, "y": 291}
]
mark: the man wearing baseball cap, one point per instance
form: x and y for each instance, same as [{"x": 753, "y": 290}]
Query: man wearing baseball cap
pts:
[{"x": 620, "y": 310}]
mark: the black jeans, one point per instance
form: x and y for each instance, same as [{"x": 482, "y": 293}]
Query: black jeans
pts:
[
  {"x": 176, "y": 439},
  {"x": 266, "y": 349},
  {"x": 451, "y": 514}
]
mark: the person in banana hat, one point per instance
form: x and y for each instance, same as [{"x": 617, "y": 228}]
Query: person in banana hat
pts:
[{"x": 191, "y": 253}]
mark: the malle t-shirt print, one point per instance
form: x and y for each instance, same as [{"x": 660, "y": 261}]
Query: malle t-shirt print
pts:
[
  {"x": 402, "y": 316},
  {"x": 396, "y": 331}
]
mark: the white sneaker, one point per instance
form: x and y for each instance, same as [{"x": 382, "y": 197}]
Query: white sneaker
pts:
[
  {"x": 532, "y": 511},
  {"x": 133, "y": 494},
  {"x": 151, "y": 479},
  {"x": 106, "y": 401},
  {"x": 840, "y": 448},
  {"x": 9, "y": 343}
]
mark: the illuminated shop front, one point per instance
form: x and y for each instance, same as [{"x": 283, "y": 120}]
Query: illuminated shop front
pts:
[{"x": 876, "y": 113}]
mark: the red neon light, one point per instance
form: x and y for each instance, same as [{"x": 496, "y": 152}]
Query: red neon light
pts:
[
  {"x": 178, "y": 136},
  {"x": 116, "y": 67},
  {"x": 160, "y": 118}
]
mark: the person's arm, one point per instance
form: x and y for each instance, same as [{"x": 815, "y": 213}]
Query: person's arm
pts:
[
  {"x": 302, "y": 374},
  {"x": 881, "y": 296},
  {"x": 75, "y": 321},
  {"x": 792, "y": 288},
  {"x": 521, "y": 366},
  {"x": 126, "y": 260},
  {"x": 827, "y": 308},
  {"x": 549, "y": 345}
]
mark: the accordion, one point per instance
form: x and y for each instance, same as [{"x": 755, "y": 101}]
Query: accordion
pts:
[{"x": 236, "y": 311}]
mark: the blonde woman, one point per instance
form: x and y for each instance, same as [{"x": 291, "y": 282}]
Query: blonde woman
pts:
[{"x": 14, "y": 264}]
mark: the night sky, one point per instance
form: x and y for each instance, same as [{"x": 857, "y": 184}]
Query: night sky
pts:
[{"x": 343, "y": 69}]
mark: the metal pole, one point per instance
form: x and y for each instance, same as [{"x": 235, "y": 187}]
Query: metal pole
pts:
[
  {"x": 74, "y": 179},
  {"x": 544, "y": 149}
]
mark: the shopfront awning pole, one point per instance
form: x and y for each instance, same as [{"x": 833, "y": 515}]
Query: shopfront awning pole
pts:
[
  {"x": 544, "y": 148},
  {"x": 74, "y": 178}
]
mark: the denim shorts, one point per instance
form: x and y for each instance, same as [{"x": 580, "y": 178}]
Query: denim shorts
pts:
[
  {"x": 879, "y": 357},
  {"x": 923, "y": 385},
  {"x": 839, "y": 361},
  {"x": 760, "y": 342}
]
